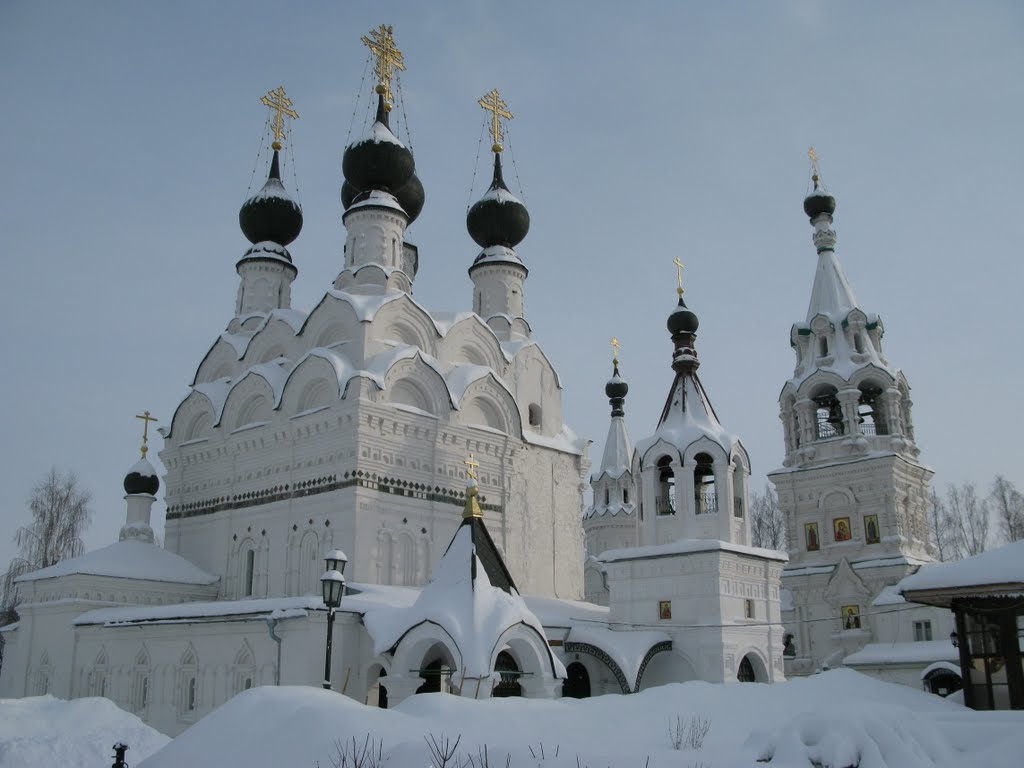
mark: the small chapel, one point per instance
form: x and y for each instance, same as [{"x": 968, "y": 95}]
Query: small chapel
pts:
[{"x": 430, "y": 448}]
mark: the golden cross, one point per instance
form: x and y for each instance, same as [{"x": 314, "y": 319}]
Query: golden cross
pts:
[
  {"x": 496, "y": 105},
  {"x": 146, "y": 418},
  {"x": 615, "y": 350},
  {"x": 282, "y": 105},
  {"x": 381, "y": 43},
  {"x": 471, "y": 472},
  {"x": 679, "y": 275},
  {"x": 814, "y": 164}
]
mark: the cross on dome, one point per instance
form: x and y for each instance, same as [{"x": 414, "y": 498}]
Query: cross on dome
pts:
[
  {"x": 615, "y": 350},
  {"x": 146, "y": 418},
  {"x": 472, "y": 464},
  {"x": 498, "y": 108},
  {"x": 281, "y": 105},
  {"x": 679, "y": 275},
  {"x": 381, "y": 43}
]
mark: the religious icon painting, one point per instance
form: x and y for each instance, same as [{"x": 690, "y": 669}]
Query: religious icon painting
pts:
[
  {"x": 811, "y": 536},
  {"x": 851, "y": 617},
  {"x": 871, "y": 529},
  {"x": 664, "y": 609},
  {"x": 841, "y": 529}
]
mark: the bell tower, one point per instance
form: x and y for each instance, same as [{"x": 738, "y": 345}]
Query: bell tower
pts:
[{"x": 852, "y": 490}]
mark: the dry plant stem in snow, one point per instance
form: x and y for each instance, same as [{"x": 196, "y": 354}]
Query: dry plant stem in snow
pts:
[
  {"x": 689, "y": 733},
  {"x": 369, "y": 754},
  {"x": 442, "y": 750}
]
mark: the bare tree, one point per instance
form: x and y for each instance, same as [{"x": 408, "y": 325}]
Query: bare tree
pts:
[
  {"x": 60, "y": 514},
  {"x": 967, "y": 520},
  {"x": 767, "y": 526},
  {"x": 1008, "y": 505},
  {"x": 937, "y": 519}
]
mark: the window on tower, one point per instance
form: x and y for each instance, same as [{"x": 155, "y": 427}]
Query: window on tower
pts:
[
  {"x": 705, "y": 496},
  {"x": 870, "y": 414},
  {"x": 665, "y": 503},
  {"x": 828, "y": 414}
]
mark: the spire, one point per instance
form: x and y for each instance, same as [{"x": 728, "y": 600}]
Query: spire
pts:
[
  {"x": 832, "y": 294},
  {"x": 618, "y": 453},
  {"x": 682, "y": 324}
]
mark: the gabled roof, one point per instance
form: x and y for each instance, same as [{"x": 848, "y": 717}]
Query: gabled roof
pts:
[{"x": 128, "y": 559}]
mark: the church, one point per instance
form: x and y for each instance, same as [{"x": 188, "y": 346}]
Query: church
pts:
[{"x": 431, "y": 448}]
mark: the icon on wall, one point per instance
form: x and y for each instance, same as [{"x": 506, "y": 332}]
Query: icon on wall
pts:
[
  {"x": 841, "y": 529},
  {"x": 811, "y": 536},
  {"x": 665, "y": 609},
  {"x": 871, "y": 529}
]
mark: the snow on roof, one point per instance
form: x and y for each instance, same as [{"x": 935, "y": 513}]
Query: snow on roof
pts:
[
  {"x": 142, "y": 467},
  {"x": 689, "y": 418},
  {"x": 618, "y": 453},
  {"x": 501, "y": 195},
  {"x": 266, "y": 250},
  {"x": 1003, "y": 566},
  {"x": 614, "y": 509},
  {"x": 832, "y": 294},
  {"x": 807, "y": 570},
  {"x": 884, "y": 562},
  {"x": 240, "y": 341},
  {"x": 377, "y": 199},
  {"x": 379, "y": 133},
  {"x": 689, "y": 546},
  {"x": 555, "y": 612},
  {"x": 472, "y": 611},
  {"x": 496, "y": 254},
  {"x": 948, "y": 666},
  {"x": 128, "y": 559},
  {"x": 627, "y": 648},
  {"x": 359, "y": 598},
  {"x": 462, "y": 375},
  {"x": 566, "y": 440},
  {"x": 883, "y": 654},
  {"x": 888, "y": 596}
]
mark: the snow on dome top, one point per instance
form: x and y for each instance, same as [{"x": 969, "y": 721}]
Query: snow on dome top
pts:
[
  {"x": 141, "y": 478},
  {"x": 271, "y": 214},
  {"x": 378, "y": 161},
  {"x": 498, "y": 218}
]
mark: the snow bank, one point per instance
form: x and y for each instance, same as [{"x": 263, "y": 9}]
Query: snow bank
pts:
[
  {"x": 46, "y": 731},
  {"x": 837, "y": 718}
]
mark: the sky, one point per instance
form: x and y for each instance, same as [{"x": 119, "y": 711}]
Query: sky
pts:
[{"x": 643, "y": 132}]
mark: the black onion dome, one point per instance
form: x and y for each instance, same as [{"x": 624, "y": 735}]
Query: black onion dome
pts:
[
  {"x": 411, "y": 197},
  {"x": 819, "y": 202},
  {"x": 271, "y": 214},
  {"x": 682, "y": 320},
  {"x": 141, "y": 478},
  {"x": 348, "y": 194},
  {"x": 379, "y": 161},
  {"x": 498, "y": 218},
  {"x": 616, "y": 387}
]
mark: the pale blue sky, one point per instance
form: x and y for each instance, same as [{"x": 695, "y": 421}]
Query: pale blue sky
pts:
[{"x": 643, "y": 132}]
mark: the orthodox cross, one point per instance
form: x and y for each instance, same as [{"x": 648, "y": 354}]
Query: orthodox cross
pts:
[
  {"x": 615, "y": 350},
  {"x": 146, "y": 418},
  {"x": 381, "y": 43},
  {"x": 814, "y": 165},
  {"x": 679, "y": 275},
  {"x": 496, "y": 105},
  {"x": 472, "y": 464},
  {"x": 281, "y": 105}
]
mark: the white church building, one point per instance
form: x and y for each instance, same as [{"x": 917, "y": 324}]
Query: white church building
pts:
[{"x": 431, "y": 448}]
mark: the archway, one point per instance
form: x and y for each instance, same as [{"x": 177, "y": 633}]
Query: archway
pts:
[
  {"x": 746, "y": 671},
  {"x": 508, "y": 684},
  {"x": 577, "y": 684}
]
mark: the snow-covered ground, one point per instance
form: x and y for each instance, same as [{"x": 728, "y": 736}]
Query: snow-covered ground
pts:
[
  {"x": 833, "y": 720},
  {"x": 44, "y": 731}
]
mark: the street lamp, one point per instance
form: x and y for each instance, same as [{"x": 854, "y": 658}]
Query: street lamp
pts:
[{"x": 333, "y": 585}]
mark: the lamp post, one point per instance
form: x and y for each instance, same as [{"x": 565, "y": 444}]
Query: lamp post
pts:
[{"x": 333, "y": 585}]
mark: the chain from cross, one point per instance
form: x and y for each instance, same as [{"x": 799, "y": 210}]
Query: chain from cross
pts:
[
  {"x": 496, "y": 105},
  {"x": 472, "y": 464},
  {"x": 679, "y": 275},
  {"x": 381, "y": 43},
  {"x": 615, "y": 350},
  {"x": 281, "y": 105},
  {"x": 146, "y": 418}
]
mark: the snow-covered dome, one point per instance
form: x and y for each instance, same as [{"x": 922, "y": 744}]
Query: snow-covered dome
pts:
[
  {"x": 271, "y": 214},
  {"x": 819, "y": 202},
  {"x": 682, "y": 319},
  {"x": 141, "y": 478},
  {"x": 616, "y": 388},
  {"x": 378, "y": 161},
  {"x": 499, "y": 217}
]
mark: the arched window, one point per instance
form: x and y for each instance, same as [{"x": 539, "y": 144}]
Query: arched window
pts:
[
  {"x": 534, "y": 414},
  {"x": 625, "y": 495},
  {"x": 250, "y": 568},
  {"x": 739, "y": 502},
  {"x": 607, "y": 497},
  {"x": 870, "y": 413},
  {"x": 822, "y": 346},
  {"x": 577, "y": 682},
  {"x": 705, "y": 495},
  {"x": 828, "y": 414},
  {"x": 309, "y": 564},
  {"x": 665, "y": 503}
]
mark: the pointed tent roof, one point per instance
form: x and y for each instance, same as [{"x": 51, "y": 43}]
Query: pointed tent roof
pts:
[
  {"x": 618, "y": 452},
  {"x": 832, "y": 294}
]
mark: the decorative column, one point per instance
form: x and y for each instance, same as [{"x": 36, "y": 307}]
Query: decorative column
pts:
[
  {"x": 848, "y": 399},
  {"x": 724, "y": 487},
  {"x": 805, "y": 409}
]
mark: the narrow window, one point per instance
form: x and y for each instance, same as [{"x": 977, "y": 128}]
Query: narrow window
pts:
[
  {"x": 665, "y": 503},
  {"x": 250, "y": 561},
  {"x": 704, "y": 494},
  {"x": 607, "y": 497},
  {"x": 625, "y": 495},
  {"x": 822, "y": 346},
  {"x": 748, "y": 608},
  {"x": 190, "y": 701},
  {"x": 858, "y": 342}
]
